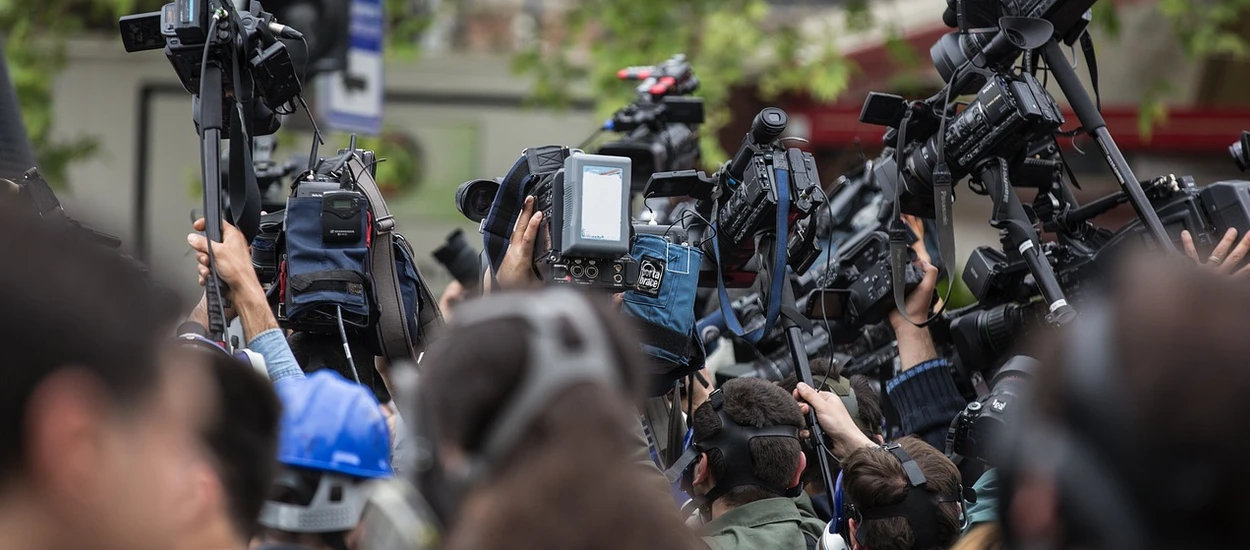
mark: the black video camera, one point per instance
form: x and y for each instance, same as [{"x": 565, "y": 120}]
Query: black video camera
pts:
[
  {"x": 859, "y": 289},
  {"x": 1008, "y": 114},
  {"x": 242, "y": 42},
  {"x": 661, "y": 127},
  {"x": 742, "y": 200},
  {"x": 973, "y": 439}
]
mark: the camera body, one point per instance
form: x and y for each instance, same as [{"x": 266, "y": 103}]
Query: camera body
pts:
[
  {"x": 974, "y": 434},
  {"x": 859, "y": 291},
  {"x": 1007, "y": 114},
  {"x": 242, "y": 42},
  {"x": 661, "y": 126},
  {"x": 585, "y": 205}
]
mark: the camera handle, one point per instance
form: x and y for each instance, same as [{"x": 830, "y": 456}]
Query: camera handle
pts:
[
  {"x": 1096, "y": 127},
  {"x": 794, "y": 324},
  {"x": 211, "y": 121},
  {"x": 1009, "y": 217}
]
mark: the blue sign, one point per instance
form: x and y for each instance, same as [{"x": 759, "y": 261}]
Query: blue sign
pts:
[{"x": 351, "y": 101}]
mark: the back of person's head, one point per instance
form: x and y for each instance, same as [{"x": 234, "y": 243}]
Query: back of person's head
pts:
[
  {"x": 1135, "y": 429},
  {"x": 315, "y": 351},
  {"x": 754, "y": 403},
  {"x": 866, "y": 404},
  {"x": 874, "y": 478},
  {"x": 530, "y": 400},
  {"x": 333, "y": 441},
  {"x": 242, "y": 439}
]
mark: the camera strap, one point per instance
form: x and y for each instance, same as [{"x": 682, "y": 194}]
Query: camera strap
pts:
[
  {"x": 778, "y": 275},
  {"x": 943, "y": 203},
  {"x": 1087, "y": 47},
  {"x": 394, "y": 339},
  {"x": 244, "y": 192}
]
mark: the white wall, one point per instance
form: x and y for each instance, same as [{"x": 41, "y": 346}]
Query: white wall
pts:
[{"x": 98, "y": 95}]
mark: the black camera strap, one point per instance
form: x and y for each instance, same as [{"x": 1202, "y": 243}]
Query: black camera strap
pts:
[
  {"x": 244, "y": 191},
  {"x": 943, "y": 203},
  {"x": 1087, "y": 47},
  {"x": 778, "y": 275}
]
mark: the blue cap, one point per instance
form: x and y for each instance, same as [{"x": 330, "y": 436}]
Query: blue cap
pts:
[{"x": 333, "y": 425}]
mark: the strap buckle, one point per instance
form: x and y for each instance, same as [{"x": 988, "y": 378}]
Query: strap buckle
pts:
[{"x": 384, "y": 225}]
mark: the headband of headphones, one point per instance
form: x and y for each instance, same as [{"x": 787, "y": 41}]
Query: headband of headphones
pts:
[
  {"x": 843, "y": 389},
  {"x": 553, "y": 364},
  {"x": 733, "y": 442},
  {"x": 919, "y": 507}
]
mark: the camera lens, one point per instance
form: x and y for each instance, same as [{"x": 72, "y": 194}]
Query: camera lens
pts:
[
  {"x": 474, "y": 198},
  {"x": 1238, "y": 151}
]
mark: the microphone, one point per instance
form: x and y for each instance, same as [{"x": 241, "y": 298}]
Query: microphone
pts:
[{"x": 284, "y": 31}]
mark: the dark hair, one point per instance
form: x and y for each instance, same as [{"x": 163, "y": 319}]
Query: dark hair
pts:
[
  {"x": 69, "y": 303},
  {"x": 315, "y": 351},
  {"x": 755, "y": 403},
  {"x": 572, "y": 480},
  {"x": 873, "y": 477},
  {"x": 867, "y": 400},
  {"x": 243, "y": 438}
]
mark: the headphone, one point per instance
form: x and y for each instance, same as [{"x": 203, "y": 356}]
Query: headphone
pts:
[
  {"x": 1086, "y": 454},
  {"x": 554, "y": 364},
  {"x": 733, "y": 441},
  {"x": 919, "y": 507}
]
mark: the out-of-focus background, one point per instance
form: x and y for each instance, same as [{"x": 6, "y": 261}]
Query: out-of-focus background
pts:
[{"x": 468, "y": 84}]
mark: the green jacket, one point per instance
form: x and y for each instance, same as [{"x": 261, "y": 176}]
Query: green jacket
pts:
[
  {"x": 811, "y": 523},
  {"x": 769, "y": 524}
]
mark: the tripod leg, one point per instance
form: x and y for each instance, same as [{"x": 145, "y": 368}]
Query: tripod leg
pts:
[{"x": 1009, "y": 216}]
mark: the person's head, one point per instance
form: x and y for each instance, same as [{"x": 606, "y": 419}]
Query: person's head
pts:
[
  {"x": 856, "y": 392},
  {"x": 1134, "y": 436},
  {"x": 529, "y": 401},
  {"x": 241, "y": 444},
  {"x": 889, "y": 508},
  {"x": 859, "y": 398},
  {"x": 776, "y": 461},
  {"x": 333, "y": 442},
  {"x": 99, "y": 425},
  {"x": 315, "y": 351}
]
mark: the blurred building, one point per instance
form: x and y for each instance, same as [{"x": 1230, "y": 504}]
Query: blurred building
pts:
[{"x": 468, "y": 112}]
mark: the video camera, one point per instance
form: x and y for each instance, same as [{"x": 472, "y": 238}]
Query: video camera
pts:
[
  {"x": 976, "y": 431},
  {"x": 661, "y": 126},
  {"x": 243, "y": 42},
  {"x": 744, "y": 199},
  {"x": 461, "y": 260}
]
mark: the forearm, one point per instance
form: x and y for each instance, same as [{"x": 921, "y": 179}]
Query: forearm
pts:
[
  {"x": 926, "y": 399},
  {"x": 253, "y": 310},
  {"x": 915, "y": 345}
]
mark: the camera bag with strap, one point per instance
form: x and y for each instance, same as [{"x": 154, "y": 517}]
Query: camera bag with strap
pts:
[{"x": 341, "y": 259}]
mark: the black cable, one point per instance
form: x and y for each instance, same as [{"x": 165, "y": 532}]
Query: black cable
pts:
[
  {"x": 824, "y": 314},
  {"x": 347, "y": 349}
]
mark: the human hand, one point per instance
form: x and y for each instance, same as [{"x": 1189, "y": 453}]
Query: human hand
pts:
[
  {"x": 233, "y": 256},
  {"x": 517, "y": 268},
  {"x": 1221, "y": 259},
  {"x": 920, "y": 302},
  {"x": 833, "y": 418},
  {"x": 452, "y": 295}
]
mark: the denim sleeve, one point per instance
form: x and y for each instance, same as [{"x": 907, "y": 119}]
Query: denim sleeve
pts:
[
  {"x": 926, "y": 399},
  {"x": 279, "y": 360}
]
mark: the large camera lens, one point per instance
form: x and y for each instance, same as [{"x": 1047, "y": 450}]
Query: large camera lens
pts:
[
  {"x": 461, "y": 260},
  {"x": 473, "y": 198},
  {"x": 1239, "y": 150}
]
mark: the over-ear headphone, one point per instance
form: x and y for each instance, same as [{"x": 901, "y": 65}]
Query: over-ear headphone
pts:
[
  {"x": 919, "y": 507},
  {"x": 733, "y": 443}
]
